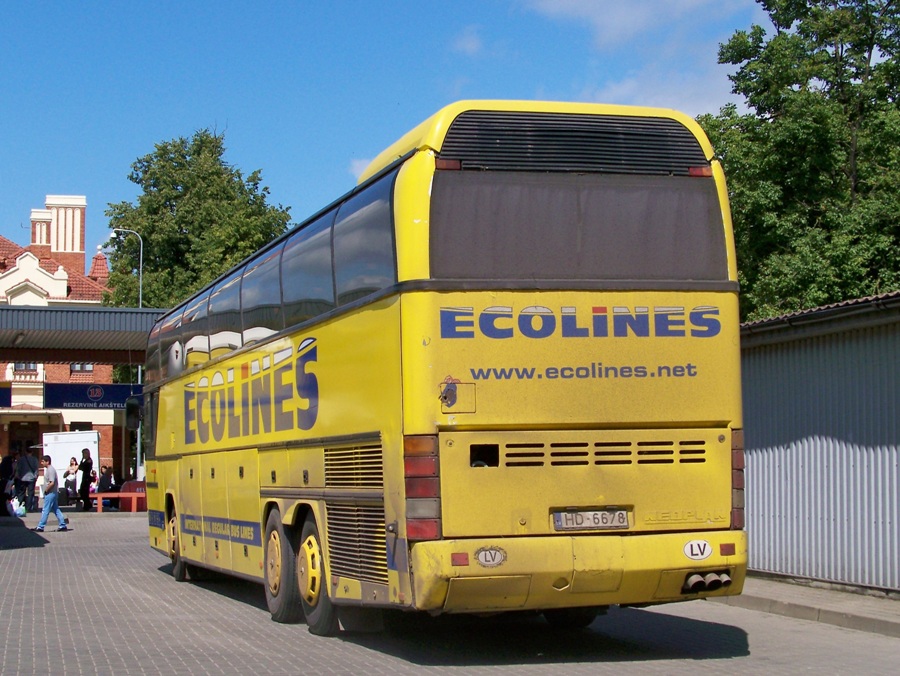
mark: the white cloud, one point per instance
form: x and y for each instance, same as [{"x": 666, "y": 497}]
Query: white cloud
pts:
[
  {"x": 468, "y": 42},
  {"x": 615, "y": 23},
  {"x": 357, "y": 167},
  {"x": 655, "y": 52},
  {"x": 689, "y": 92}
]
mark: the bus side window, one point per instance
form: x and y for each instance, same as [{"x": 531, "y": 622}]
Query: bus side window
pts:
[
  {"x": 364, "y": 242},
  {"x": 224, "y": 318},
  {"x": 261, "y": 297},
  {"x": 170, "y": 352},
  {"x": 194, "y": 332},
  {"x": 149, "y": 410},
  {"x": 151, "y": 372},
  {"x": 307, "y": 287}
]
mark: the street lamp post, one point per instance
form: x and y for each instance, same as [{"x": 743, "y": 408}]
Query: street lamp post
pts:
[{"x": 138, "y": 468}]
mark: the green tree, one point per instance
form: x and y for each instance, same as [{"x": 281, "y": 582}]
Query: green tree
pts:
[
  {"x": 810, "y": 168},
  {"x": 197, "y": 217}
]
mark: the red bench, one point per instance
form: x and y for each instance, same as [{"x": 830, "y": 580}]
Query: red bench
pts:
[{"x": 132, "y": 497}]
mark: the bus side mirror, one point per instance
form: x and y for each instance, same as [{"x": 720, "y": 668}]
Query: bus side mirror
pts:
[{"x": 133, "y": 413}]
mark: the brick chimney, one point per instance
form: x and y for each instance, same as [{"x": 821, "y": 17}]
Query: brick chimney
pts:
[
  {"x": 40, "y": 233},
  {"x": 65, "y": 232}
]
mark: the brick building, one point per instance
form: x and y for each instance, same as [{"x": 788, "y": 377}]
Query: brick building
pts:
[{"x": 50, "y": 272}]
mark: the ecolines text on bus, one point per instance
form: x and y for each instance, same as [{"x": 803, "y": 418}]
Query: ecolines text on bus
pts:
[{"x": 537, "y": 321}]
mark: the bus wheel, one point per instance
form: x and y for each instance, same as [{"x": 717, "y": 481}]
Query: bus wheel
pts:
[
  {"x": 571, "y": 618},
  {"x": 179, "y": 567},
  {"x": 321, "y": 615},
  {"x": 282, "y": 596}
]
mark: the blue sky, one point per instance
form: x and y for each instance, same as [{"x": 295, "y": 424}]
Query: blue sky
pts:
[{"x": 306, "y": 91}]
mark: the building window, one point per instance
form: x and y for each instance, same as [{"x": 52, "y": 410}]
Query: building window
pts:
[
  {"x": 81, "y": 368},
  {"x": 25, "y": 367}
]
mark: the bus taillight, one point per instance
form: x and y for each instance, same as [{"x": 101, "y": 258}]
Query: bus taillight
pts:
[
  {"x": 737, "y": 479},
  {"x": 421, "y": 473}
]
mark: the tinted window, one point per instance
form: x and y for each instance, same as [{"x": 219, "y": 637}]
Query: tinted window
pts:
[
  {"x": 364, "y": 243},
  {"x": 148, "y": 426},
  {"x": 194, "y": 331},
  {"x": 225, "y": 315},
  {"x": 151, "y": 369},
  {"x": 171, "y": 354},
  {"x": 306, "y": 282},
  {"x": 261, "y": 297},
  {"x": 559, "y": 226}
]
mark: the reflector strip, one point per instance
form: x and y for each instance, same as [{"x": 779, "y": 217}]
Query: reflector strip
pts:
[
  {"x": 737, "y": 479},
  {"x": 459, "y": 559}
]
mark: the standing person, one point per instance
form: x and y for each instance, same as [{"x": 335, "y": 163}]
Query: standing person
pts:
[
  {"x": 26, "y": 473},
  {"x": 86, "y": 466},
  {"x": 107, "y": 484},
  {"x": 7, "y": 474},
  {"x": 70, "y": 478},
  {"x": 51, "y": 497},
  {"x": 8, "y": 471}
]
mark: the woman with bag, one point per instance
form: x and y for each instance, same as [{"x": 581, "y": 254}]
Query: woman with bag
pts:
[{"x": 71, "y": 477}]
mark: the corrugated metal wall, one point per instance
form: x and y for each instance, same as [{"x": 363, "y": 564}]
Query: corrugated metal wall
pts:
[{"x": 822, "y": 443}]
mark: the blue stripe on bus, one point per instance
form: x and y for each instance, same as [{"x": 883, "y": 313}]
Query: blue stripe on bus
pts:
[
  {"x": 243, "y": 532},
  {"x": 156, "y": 518}
]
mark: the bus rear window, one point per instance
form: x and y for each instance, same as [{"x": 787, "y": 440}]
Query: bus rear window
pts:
[{"x": 507, "y": 225}]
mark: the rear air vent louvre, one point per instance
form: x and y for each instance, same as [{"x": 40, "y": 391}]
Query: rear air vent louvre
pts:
[
  {"x": 356, "y": 541},
  {"x": 607, "y": 453},
  {"x": 354, "y": 467},
  {"x": 520, "y": 141}
]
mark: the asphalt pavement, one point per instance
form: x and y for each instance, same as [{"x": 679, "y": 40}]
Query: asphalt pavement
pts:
[{"x": 867, "y": 611}]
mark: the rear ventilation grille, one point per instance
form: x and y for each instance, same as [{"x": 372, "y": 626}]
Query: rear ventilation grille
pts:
[
  {"x": 356, "y": 541},
  {"x": 354, "y": 467},
  {"x": 519, "y": 141},
  {"x": 661, "y": 452}
]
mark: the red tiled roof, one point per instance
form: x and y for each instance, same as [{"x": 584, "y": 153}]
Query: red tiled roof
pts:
[
  {"x": 81, "y": 287},
  {"x": 99, "y": 269},
  {"x": 9, "y": 251}
]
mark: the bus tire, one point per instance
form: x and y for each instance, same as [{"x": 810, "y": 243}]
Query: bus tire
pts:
[
  {"x": 571, "y": 618},
  {"x": 179, "y": 566},
  {"x": 321, "y": 615},
  {"x": 282, "y": 596}
]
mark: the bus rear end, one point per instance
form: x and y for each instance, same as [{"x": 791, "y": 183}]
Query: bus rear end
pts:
[{"x": 571, "y": 389}]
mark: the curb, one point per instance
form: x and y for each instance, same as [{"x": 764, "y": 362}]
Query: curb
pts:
[{"x": 871, "y": 615}]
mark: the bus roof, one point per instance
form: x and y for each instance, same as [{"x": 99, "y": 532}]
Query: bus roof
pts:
[{"x": 430, "y": 133}]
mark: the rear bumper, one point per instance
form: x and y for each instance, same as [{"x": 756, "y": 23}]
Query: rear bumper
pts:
[{"x": 494, "y": 574}]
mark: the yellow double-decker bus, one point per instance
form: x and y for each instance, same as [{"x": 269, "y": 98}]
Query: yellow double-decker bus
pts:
[{"x": 502, "y": 373}]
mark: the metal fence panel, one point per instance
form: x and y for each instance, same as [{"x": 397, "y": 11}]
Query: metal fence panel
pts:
[{"x": 823, "y": 457}]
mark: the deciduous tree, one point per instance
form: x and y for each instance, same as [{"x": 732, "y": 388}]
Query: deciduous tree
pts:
[
  {"x": 197, "y": 215},
  {"x": 812, "y": 168}
]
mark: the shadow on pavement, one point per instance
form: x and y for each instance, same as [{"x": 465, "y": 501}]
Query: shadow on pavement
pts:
[
  {"x": 528, "y": 639},
  {"x": 521, "y": 638},
  {"x": 243, "y": 591},
  {"x": 14, "y": 534}
]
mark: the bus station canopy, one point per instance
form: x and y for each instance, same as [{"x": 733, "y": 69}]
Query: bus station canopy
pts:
[{"x": 98, "y": 335}]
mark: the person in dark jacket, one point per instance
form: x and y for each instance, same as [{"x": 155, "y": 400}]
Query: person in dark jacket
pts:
[
  {"x": 84, "y": 491},
  {"x": 7, "y": 476},
  {"x": 107, "y": 484},
  {"x": 26, "y": 476}
]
